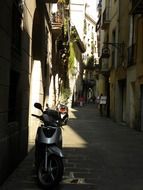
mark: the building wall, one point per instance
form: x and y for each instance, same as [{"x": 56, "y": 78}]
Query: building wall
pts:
[
  {"x": 77, "y": 10},
  {"x": 131, "y": 97},
  {"x": 131, "y": 36},
  {"x": 90, "y": 37},
  {"x": 131, "y": 106},
  {"x": 125, "y": 70},
  {"x": 108, "y": 74},
  {"x": 90, "y": 42},
  {"x": 5, "y": 45},
  {"x": 126, "y": 73},
  {"x": 14, "y": 133},
  {"x": 41, "y": 62},
  {"x": 100, "y": 83},
  {"x": 120, "y": 68},
  {"x": 21, "y": 51},
  {"x": 117, "y": 34},
  {"x": 76, "y": 85},
  {"x": 139, "y": 71}
]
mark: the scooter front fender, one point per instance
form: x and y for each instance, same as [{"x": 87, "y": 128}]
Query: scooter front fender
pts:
[{"x": 55, "y": 150}]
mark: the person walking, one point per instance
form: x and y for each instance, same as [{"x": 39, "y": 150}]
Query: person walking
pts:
[{"x": 102, "y": 103}]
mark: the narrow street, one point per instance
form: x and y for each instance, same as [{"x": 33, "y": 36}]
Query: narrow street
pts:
[{"x": 99, "y": 155}]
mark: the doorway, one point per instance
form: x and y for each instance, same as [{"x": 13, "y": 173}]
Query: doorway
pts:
[{"x": 122, "y": 101}]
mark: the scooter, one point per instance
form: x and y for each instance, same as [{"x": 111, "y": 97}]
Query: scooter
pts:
[
  {"x": 48, "y": 148},
  {"x": 63, "y": 110}
]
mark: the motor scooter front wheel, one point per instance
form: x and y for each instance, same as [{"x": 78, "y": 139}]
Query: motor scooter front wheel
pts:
[{"x": 53, "y": 175}]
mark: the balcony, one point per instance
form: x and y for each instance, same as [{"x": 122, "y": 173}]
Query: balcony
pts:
[
  {"x": 105, "y": 18},
  {"x": 57, "y": 23},
  {"x": 137, "y": 7}
]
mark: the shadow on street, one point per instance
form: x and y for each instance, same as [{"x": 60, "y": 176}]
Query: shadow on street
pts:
[{"x": 99, "y": 155}]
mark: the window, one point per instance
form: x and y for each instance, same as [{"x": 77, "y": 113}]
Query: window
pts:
[
  {"x": 92, "y": 35},
  {"x": 85, "y": 27},
  {"x": 88, "y": 26}
]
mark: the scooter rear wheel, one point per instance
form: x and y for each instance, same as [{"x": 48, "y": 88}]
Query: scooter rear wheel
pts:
[{"x": 54, "y": 172}]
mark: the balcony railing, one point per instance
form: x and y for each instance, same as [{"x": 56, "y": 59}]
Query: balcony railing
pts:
[
  {"x": 105, "y": 18},
  {"x": 56, "y": 23},
  {"x": 137, "y": 7},
  {"x": 57, "y": 20}
]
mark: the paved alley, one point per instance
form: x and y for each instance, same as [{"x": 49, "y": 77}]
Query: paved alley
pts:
[{"x": 99, "y": 155}]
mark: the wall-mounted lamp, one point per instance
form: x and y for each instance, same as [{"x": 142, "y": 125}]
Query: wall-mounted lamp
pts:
[{"x": 119, "y": 46}]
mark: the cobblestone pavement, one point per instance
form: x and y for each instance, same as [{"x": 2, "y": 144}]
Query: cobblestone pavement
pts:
[{"x": 99, "y": 155}]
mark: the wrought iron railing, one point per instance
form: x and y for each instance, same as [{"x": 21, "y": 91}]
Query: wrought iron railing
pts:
[{"x": 56, "y": 18}]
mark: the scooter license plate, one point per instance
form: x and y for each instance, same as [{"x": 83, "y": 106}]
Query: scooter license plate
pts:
[{"x": 62, "y": 115}]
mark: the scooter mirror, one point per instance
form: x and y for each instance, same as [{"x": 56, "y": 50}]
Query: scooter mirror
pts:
[{"x": 38, "y": 106}]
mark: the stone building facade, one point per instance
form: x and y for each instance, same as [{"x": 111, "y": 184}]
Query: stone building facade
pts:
[
  {"x": 26, "y": 66},
  {"x": 121, "y": 24}
]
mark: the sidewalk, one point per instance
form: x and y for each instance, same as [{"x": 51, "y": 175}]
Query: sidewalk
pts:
[{"x": 99, "y": 155}]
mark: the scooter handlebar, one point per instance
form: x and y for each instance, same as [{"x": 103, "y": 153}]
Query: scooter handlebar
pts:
[
  {"x": 53, "y": 123},
  {"x": 37, "y": 116}
]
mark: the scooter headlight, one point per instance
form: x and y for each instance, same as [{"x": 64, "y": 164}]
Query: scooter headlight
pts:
[{"x": 48, "y": 132}]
